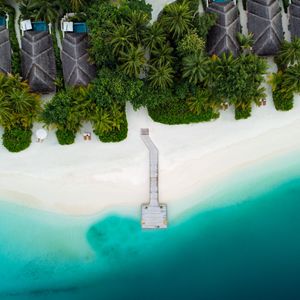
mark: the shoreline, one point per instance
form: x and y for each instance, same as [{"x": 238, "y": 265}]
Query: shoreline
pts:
[
  {"x": 90, "y": 178},
  {"x": 81, "y": 179}
]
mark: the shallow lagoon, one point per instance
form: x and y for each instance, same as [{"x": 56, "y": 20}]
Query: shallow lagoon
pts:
[{"x": 248, "y": 248}]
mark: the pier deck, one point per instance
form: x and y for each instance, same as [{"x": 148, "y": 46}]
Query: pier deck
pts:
[{"x": 154, "y": 214}]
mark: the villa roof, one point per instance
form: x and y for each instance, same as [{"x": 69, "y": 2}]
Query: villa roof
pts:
[
  {"x": 5, "y": 51},
  {"x": 76, "y": 67},
  {"x": 38, "y": 61},
  {"x": 265, "y": 22},
  {"x": 222, "y": 36},
  {"x": 294, "y": 12}
]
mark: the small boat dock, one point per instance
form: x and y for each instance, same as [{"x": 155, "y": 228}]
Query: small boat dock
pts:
[{"x": 154, "y": 214}]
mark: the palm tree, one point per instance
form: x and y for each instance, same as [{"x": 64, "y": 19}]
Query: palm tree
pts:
[
  {"x": 275, "y": 80},
  {"x": 18, "y": 107},
  {"x": 161, "y": 76},
  {"x": 6, "y": 116},
  {"x": 133, "y": 61},
  {"x": 22, "y": 101},
  {"x": 117, "y": 116},
  {"x": 162, "y": 55},
  {"x": 102, "y": 121},
  {"x": 119, "y": 38},
  {"x": 289, "y": 53},
  {"x": 137, "y": 21},
  {"x": 76, "y": 5},
  {"x": 195, "y": 67},
  {"x": 291, "y": 79},
  {"x": 177, "y": 18},
  {"x": 154, "y": 36},
  {"x": 199, "y": 102},
  {"x": 45, "y": 9},
  {"x": 246, "y": 42}
]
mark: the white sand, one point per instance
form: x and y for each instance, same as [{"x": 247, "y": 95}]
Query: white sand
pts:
[
  {"x": 90, "y": 177},
  {"x": 157, "y": 6}
]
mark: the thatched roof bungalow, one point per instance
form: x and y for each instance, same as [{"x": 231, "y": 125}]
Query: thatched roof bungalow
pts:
[
  {"x": 5, "y": 50},
  {"x": 294, "y": 12},
  {"x": 75, "y": 60},
  {"x": 265, "y": 22},
  {"x": 38, "y": 61},
  {"x": 222, "y": 36}
]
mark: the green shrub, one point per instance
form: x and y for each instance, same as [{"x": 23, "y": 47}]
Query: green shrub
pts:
[
  {"x": 110, "y": 125},
  {"x": 242, "y": 113},
  {"x": 204, "y": 23},
  {"x": 113, "y": 87},
  {"x": 139, "y": 5},
  {"x": 68, "y": 109},
  {"x": 17, "y": 139},
  {"x": 101, "y": 15},
  {"x": 283, "y": 96},
  {"x": 283, "y": 100},
  {"x": 178, "y": 113},
  {"x": 65, "y": 137},
  {"x": 115, "y": 135}
]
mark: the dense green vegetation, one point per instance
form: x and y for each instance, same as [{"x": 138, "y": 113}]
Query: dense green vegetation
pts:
[
  {"x": 286, "y": 82},
  {"x": 102, "y": 104},
  {"x": 16, "y": 139},
  {"x": 161, "y": 65},
  {"x": 180, "y": 82},
  {"x": 19, "y": 108},
  {"x": 67, "y": 111}
]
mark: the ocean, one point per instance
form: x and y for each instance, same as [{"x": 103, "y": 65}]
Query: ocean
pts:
[{"x": 244, "y": 243}]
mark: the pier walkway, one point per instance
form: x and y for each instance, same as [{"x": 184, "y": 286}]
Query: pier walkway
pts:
[{"x": 154, "y": 214}]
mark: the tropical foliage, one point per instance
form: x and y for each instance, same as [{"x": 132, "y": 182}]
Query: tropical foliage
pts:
[
  {"x": 161, "y": 65},
  {"x": 45, "y": 10},
  {"x": 238, "y": 81},
  {"x": 113, "y": 87},
  {"x": 286, "y": 81},
  {"x": 289, "y": 54},
  {"x": 283, "y": 100},
  {"x": 19, "y": 108},
  {"x": 177, "y": 19},
  {"x": 246, "y": 42},
  {"x": 102, "y": 104},
  {"x": 191, "y": 43},
  {"x": 67, "y": 111},
  {"x": 16, "y": 140}
]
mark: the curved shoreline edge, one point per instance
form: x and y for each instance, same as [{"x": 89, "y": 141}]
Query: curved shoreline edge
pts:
[{"x": 91, "y": 178}]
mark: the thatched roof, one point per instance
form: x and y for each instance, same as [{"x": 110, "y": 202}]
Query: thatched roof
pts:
[
  {"x": 5, "y": 51},
  {"x": 294, "y": 11},
  {"x": 38, "y": 61},
  {"x": 265, "y": 22},
  {"x": 76, "y": 67},
  {"x": 222, "y": 36}
]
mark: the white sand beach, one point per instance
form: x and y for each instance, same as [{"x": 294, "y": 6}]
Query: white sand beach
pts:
[{"x": 89, "y": 177}]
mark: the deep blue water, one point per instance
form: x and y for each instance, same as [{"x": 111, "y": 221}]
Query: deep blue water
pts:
[{"x": 248, "y": 250}]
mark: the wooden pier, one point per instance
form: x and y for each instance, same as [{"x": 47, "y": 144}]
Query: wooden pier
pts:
[{"x": 154, "y": 214}]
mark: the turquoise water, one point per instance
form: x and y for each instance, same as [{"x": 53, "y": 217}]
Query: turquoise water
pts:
[{"x": 248, "y": 248}]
